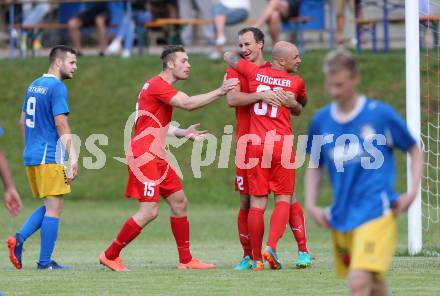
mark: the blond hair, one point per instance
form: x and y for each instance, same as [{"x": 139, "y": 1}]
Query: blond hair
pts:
[{"x": 338, "y": 60}]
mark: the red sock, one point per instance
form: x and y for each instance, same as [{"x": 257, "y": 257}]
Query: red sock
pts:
[
  {"x": 256, "y": 231},
  {"x": 278, "y": 222},
  {"x": 298, "y": 225},
  {"x": 243, "y": 232},
  {"x": 128, "y": 232},
  {"x": 180, "y": 228}
]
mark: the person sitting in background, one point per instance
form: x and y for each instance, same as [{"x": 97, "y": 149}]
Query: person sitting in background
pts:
[
  {"x": 33, "y": 13},
  {"x": 355, "y": 7},
  {"x": 276, "y": 12},
  {"x": 139, "y": 16},
  {"x": 188, "y": 9},
  {"x": 226, "y": 13},
  {"x": 95, "y": 13},
  {"x": 425, "y": 9}
]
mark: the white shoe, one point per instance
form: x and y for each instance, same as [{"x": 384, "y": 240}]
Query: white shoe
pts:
[
  {"x": 215, "y": 55},
  {"x": 114, "y": 47},
  {"x": 126, "y": 54},
  {"x": 220, "y": 41}
]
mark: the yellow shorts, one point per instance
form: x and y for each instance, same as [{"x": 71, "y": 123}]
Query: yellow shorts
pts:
[
  {"x": 47, "y": 180},
  {"x": 369, "y": 247}
]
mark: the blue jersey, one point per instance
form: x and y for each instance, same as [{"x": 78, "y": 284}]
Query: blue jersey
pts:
[
  {"x": 45, "y": 98},
  {"x": 358, "y": 155}
]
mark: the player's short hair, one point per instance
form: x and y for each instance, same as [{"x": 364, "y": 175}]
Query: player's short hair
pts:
[
  {"x": 338, "y": 60},
  {"x": 258, "y": 34},
  {"x": 168, "y": 54},
  {"x": 60, "y": 51}
]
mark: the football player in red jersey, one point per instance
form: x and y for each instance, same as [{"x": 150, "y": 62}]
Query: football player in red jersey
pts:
[
  {"x": 150, "y": 174},
  {"x": 251, "y": 42},
  {"x": 273, "y": 145}
]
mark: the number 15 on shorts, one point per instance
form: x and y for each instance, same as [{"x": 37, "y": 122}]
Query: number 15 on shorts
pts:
[{"x": 149, "y": 189}]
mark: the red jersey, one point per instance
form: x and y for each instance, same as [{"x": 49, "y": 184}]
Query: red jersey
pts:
[
  {"x": 153, "y": 116},
  {"x": 242, "y": 113},
  {"x": 266, "y": 118}
]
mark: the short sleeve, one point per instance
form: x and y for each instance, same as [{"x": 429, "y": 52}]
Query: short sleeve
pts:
[
  {"x": 302, "y": 94},
  {"x": 59, "y": 100},
  {"x": 231, "y": 73},
  {"x": 162, "y": 91},
  {"x": 401, "y": 137},
  {"x": 247, "y": 69},
  {"x": 314, "y": 142},
  {"x": 23, "y": 108}
]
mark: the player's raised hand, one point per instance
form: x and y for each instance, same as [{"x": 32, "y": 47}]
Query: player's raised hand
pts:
[
  {"x": 320, "y": 216},
  {"x": 194, "y": 134},
  {"x": 228, "y": 85},
  {"x": 12, "y": 201}
]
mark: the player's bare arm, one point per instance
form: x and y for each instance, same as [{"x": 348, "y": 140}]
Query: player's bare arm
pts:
[
  {"x": 183, "y": 101},
  {"x": 23, "y": 123},
  {"x": 12, "y": 199},
  {"x": 312, "y": 184},
  {"x": 405, "y": 200},
  {"x": 237, "y": 98},
  {"x": 192, "y": 132},
  {"x": 64, "y": 132},
  {"x": 295, "y": 107},
  {"x": 232, "y": 58}
]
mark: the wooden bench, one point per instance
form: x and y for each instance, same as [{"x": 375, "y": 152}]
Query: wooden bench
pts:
[
  {"x": 370, "y": 26},
  {"x": 167, "y": 23},
  {"x": 170, "y": 25}
]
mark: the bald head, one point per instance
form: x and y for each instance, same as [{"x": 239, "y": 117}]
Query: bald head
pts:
[
  {"x": 285, "y": 56},
  {"x": 283, "y": 49}
]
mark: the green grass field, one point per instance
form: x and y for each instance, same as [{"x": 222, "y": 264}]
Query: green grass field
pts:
[
  {"x": 87, "y": 227},
  {"x": 102, "y": 95}
]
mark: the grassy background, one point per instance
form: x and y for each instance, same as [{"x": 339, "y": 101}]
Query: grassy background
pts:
[
  {"x": 89, "y": 226},
  {"x": 102, "y": 96}
]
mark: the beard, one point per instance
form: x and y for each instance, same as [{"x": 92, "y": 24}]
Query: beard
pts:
[{"x": 65, "y": 76}]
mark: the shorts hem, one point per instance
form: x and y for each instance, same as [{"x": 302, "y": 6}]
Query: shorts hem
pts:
[{"x": 56, "y": 194}]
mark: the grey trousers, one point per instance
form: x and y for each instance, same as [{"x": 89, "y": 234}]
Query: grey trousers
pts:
[{"x": 196, "y": 9}]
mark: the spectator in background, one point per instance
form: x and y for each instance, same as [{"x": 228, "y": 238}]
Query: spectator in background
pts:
[
  {"x": 425, "y": 9},
  {"x": 139, "y": 16},
  {"x": 339, "y": 6},
  {"x": 33, "y": 13},
  {"x": 226, "y": 13},
  {"x": 187, "y": 10},
  {"x": 96, "y": 13},
  {"x": 275, "y": 13}
]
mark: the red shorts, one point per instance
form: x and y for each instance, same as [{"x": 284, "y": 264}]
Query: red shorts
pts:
[
  {"x": 155, "y": 178},
  {"x": 241, "y": 179},
  {"x": 272, "y": 174}
]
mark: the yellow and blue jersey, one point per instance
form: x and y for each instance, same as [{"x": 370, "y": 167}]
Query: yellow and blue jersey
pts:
[
  {"x": 358, "y": 156},
  {"x": 45, "y": 98}
]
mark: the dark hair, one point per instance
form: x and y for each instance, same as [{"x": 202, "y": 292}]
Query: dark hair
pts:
[
  {"x": 168, "y": 54},
  {"x": 258, "y": 34},
  {"x": 59, "y": 51},
  {"x": 338, "y": 60}
]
